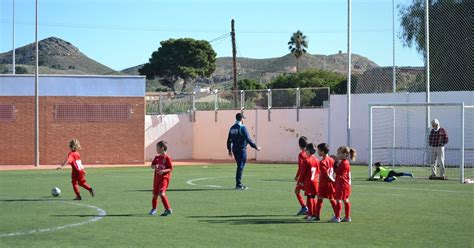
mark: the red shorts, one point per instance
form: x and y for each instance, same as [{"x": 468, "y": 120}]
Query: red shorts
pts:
[
  {"x": 343, "y": 191},
  {"x": 298, "y": 187},
  {"x": 326, "y": 190},
  {"x": 78, "y": 177},
  {"x": 311, "y": 188},
  {"x": 160, "y": 184}
]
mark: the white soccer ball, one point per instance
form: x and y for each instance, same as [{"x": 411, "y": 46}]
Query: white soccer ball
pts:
[{"x": 55, "y": 192}]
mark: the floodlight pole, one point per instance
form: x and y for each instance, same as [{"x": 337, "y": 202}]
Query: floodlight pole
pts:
[
  {"x": 394, "y": 75},
  {"x": 36, "y": 89},
  {"x": 427, "y": 73},
  {"x": 349, "y": 70},
  {"x": 13, "y": 41},
  {"x": 427, "y": 49}
]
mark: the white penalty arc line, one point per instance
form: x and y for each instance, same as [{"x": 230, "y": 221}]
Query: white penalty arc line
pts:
[
  {"x": 191, "y": 182},
  {"x": 101, "y": 214}
]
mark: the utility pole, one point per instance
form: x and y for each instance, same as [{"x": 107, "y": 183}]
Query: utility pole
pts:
[{"x": 234, "y": 62}]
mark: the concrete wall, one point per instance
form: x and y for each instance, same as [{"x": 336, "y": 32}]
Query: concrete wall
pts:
[
  {"x": 103, "y": 142},
  {"x": 278, "y": 137},
  {"x": 208, "y": 134},
  {"x": 176, "y": 130}
]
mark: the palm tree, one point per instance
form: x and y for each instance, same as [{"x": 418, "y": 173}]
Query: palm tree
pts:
[{"x": 297, "y": 45}]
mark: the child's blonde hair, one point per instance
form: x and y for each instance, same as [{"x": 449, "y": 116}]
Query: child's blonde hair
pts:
[
  {"x": 348, "y": 151},
  {"x": 74, "y": 145}
]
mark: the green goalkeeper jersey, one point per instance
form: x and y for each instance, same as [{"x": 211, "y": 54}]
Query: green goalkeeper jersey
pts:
[{"x": 383, "y": 171}]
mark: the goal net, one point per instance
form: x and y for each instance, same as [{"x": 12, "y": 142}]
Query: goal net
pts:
[{"x": 398, "y": 137}]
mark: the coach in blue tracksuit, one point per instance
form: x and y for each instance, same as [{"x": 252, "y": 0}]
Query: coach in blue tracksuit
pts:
[{"x": 237, "y": 145}]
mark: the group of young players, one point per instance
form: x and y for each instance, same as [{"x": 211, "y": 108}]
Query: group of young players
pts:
[{"x": 328, "y": 178}]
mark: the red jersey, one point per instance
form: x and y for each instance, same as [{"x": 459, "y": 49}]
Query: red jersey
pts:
[
  {"x": 326, "y": 185},
  {"x": 310, "y": 175},
  {"x": 74, "y": 159},
  {"x": 162, "y": 162},
  {"x": 301, "y": 164},
  {"x": 343, "y": 180}
]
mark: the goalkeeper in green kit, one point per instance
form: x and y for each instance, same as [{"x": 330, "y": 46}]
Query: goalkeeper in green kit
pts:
[{"x": 387, "y": 175}]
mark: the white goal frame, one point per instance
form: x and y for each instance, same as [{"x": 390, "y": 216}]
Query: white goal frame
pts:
[{"x": 461, "y": 106}]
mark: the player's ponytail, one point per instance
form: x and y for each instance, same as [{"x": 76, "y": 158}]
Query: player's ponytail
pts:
[
  {"x": 348, "y": 152},
  {"x": 324, "y": 148},
  {"x": 353, "y": 154},
  {"x": 310, "y": 148},
  {"x": 303, "y": 142}
]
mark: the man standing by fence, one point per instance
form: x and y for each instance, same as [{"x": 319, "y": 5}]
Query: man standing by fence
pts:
[
  {"x": 437, "y": 139},
  {"x": 237, "y": 145}
]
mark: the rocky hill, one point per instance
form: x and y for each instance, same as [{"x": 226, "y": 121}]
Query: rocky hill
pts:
[
  {"x": 267, "y": 69},
  {"x": 56, "y": 56}
]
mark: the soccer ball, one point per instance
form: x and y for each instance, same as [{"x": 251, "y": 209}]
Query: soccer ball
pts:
[{"x": 55, "y": 192}]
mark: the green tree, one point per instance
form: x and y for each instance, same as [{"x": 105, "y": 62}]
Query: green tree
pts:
[
  {"x": 184, "y": 59},
  {"x": 20, "y": 70},
  {"x": 451, "y": 40},
  {"x": 309, "y": 78},
  {"x": 250, "y": 84},
  {"x": 297, "y": 46}
]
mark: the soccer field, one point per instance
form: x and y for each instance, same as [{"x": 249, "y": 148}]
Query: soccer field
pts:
[{"x": 209, "y": 213}]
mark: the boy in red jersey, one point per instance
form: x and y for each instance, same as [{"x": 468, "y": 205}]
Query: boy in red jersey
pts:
[
  {"x": 309, "y": 176},
  {"x": 326, "y": 180},
  {"x": 163, "y": 168},
  {"x": 78, "y": 173},
  {"x": 302, "y": 142},
  {"x": 343, "y": 182}
]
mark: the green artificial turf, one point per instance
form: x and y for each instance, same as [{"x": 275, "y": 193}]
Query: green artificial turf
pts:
[{"x": 405, "y": 213}]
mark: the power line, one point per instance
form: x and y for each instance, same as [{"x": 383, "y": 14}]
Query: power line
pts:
[
  {"x": 169, "y": 29},
  {"x": 219, "y": 38}
]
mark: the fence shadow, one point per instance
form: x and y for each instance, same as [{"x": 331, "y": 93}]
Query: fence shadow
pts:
[{"x": 255, "y": 219}]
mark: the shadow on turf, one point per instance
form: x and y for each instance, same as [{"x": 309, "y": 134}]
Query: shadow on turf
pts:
[
  {"x": 30, "y": 200},
  {"x": 278, "y": 180},
  {"x": 261, "y": 221},
  {"x": 94, "y": 215},
  {"x": 240, "y": 216},
  {"x": 181, "y": 190},
  {"x": 255, "y": 220}
]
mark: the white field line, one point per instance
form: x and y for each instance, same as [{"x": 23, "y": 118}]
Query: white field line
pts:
[
  {"x": 99, "y": 216},
  {"x": 191, "y": 182}
]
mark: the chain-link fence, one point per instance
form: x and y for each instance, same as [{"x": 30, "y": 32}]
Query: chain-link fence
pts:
[
  {"x": 402, "y": 35},
  {"x": 169, "y": 103}
]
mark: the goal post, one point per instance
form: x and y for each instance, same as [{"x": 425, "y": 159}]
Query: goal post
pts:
[{"x": 398, "y": 137}]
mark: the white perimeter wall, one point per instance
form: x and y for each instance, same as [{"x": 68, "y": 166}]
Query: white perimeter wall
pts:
[
  {"x": 277, "y": 137},
  {"x": 177, "y": 130},
  {"x": 206, "y": 137}
]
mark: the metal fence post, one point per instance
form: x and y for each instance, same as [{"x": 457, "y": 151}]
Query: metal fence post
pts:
[
  {"x": 160, "y": 99},
  {"x": 193, "y": 106},
  {"x": 216, "y": 106},
  {"x": 298, "y": 104},
  {"x": 242, "y": 100},
  {"x": 269, "y": 96}
]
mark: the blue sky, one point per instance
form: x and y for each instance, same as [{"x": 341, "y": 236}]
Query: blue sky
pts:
[{"x": 124, "y": 33}]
